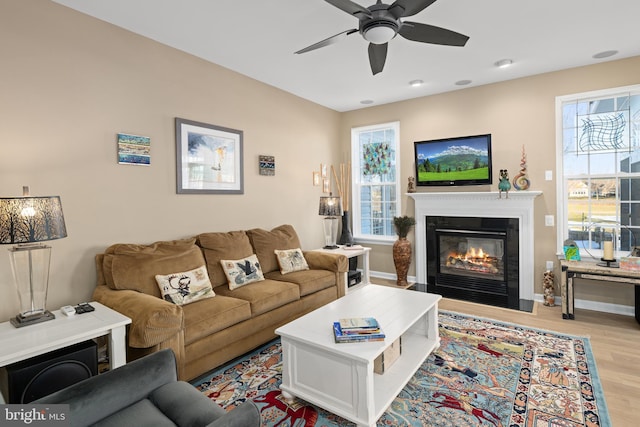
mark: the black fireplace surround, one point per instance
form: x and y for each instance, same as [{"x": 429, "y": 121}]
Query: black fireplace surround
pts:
[{"x": 474, "y": 259}]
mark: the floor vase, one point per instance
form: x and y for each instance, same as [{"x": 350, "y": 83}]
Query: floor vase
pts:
[
  {"x": 402, "y": 259},
  {"x": 346, "y": 238}
]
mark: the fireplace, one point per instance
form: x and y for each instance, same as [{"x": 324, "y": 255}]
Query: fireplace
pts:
[
  {"x": 488, "y": 208},
  {"x": 474, "y": 259}
]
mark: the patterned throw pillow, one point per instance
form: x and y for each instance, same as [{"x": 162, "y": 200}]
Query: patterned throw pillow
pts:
[
  {"x": 243, "y": 271},
  {"x": 291, "y": 260},
  {"x": 185, "y": 287}
]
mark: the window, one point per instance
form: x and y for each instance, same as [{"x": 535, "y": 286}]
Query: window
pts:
[
  {"x": 375, "y": 189},
  {"x": 599, "y": 162}
]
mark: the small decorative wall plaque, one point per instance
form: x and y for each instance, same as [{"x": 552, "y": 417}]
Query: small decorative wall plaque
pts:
[
  {"x": 134, "y": 150},
  {"x": 267, "y": 165}
]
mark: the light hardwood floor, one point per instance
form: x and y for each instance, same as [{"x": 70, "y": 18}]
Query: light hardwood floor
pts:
[{"x": 615, "y": 341}]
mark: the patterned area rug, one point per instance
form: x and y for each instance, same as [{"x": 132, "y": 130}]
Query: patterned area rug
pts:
[{"x": 485, "y": 373}]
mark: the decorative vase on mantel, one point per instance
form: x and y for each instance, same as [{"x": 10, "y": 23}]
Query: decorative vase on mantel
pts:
[
  {"x": 402, "y": 248},
  {"x": 346, "y": 238}
]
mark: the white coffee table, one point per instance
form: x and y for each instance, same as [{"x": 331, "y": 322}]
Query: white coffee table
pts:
[{"x": 340, "y": 377}]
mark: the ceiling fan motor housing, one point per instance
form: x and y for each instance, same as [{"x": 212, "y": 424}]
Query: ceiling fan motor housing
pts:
[{"x": 380, "y": 27}]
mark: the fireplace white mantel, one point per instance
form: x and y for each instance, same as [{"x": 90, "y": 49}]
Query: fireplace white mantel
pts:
[{"x": 479, "y": 204}]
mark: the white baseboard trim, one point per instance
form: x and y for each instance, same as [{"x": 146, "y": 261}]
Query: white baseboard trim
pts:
[
  {"x": 605, "y": 307},
  {"x": 625, "y": 310},
  {"x": 389, "y": 276}
]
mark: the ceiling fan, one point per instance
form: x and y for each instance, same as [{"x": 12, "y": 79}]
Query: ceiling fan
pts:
[{"x": 381, "y": 22}]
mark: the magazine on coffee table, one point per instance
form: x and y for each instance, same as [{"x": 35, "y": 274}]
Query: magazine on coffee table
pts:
[
  {"x": 359, "y": 323},
  {"x": 342, "y": 336}
]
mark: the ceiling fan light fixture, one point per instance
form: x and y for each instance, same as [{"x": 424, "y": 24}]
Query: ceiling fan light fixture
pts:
[{"x": 380, "y": 33}]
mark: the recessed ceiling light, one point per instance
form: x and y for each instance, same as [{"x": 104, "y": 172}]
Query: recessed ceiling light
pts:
[
  {"x": 463, "y": 82},
  {"x": 504, "y": 63},
  {"x": 366, "y": 101},
  {"x": 605, "y": 54},
  {"x": 416, "y": 83}
]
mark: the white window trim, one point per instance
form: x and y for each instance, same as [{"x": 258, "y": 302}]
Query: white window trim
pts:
[
  {"x": 561, "y": 200},
  {"x": 355, "y": 183}
]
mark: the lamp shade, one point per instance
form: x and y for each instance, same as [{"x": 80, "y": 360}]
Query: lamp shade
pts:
[
  {"x": 31, "y": 219},
  {"x": 330, "y": 206}
]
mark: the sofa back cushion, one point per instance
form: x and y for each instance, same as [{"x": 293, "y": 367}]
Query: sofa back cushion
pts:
[
  {"x": 266, "y": 242},
  {"x": 221, "y": 246},
  {"x": 134, "y": 267}
]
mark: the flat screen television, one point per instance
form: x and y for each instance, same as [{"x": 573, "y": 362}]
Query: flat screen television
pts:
[{"x": 454, "y": 161}]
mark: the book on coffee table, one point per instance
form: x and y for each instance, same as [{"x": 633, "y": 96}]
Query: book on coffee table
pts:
[
  {"x": 342, "y": 337},
  {"x": 352, "y": 323}
]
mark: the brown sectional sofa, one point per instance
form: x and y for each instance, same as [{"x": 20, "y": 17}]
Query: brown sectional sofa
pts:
[{"x": 209, "y": 332}]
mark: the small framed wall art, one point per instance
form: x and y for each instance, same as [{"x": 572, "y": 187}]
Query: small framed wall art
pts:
[
  {"x": 267, "y": 165},
  {"x": 208, "y": 159},
  {"x": 134, "y": 150}
]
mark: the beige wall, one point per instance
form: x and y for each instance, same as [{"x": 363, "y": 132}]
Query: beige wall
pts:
[
  {"x": 69, "y": 83},
  {"x": 516, "y": 113}
]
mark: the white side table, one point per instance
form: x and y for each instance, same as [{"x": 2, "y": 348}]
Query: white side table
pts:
[
  {"x": 353, "y": 251},
  {"x": 18, "y": 344}
]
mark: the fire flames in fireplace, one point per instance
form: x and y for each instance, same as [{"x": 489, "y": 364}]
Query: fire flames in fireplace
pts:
[{"x": 474, "y": 259}]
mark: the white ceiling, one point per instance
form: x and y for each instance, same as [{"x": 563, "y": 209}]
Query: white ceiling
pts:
[{"x": 258, "y": 38}]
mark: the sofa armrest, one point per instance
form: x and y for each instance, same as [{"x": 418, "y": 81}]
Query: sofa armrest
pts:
[
  {"x": 100, "y": 396},
  {"x": 325, "y": 261},
  {"x": 153, "y": 320}
]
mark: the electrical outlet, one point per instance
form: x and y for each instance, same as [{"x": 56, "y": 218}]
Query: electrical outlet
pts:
[
  {"x": 549, "y": 265},
  {"x": 548, "y": 220},
  {"x": 548, "y": 175}
]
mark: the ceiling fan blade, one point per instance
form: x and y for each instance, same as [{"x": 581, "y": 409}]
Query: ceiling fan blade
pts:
[
  {"x": 350, "y": 7},
  {"x": 403, "y": 8},
  {"x": 377, "y": 57},
  {"x": 430, "y": 34},
  {"x": 327, "y": 42}
]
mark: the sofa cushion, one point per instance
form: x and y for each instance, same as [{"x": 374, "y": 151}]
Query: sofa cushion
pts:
[
  {"x": 309, "y": 281},
  {"x": 291, "y": 260},
  {"x": 134, "y": 267},
  {"x": 134, "y": 414},
  {"x": 186, "y": 286},
  {"x": 212, "y": 315},
  {"x": 219, "y": 246},
  {"x": 266, "y": 242},
  {"x": 263, "y": 296},
  {"x": 241, "y": 272}
]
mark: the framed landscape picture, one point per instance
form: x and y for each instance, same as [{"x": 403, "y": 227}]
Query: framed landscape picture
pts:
[{"x": 208, "y": 159}]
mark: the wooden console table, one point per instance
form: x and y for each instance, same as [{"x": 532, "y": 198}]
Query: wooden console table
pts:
[{"x": 591, "y": 270}]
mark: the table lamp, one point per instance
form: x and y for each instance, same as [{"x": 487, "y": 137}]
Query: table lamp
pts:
[
  {"x": 25, "y": 222},
  {"x": 331, "y": 208}
]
